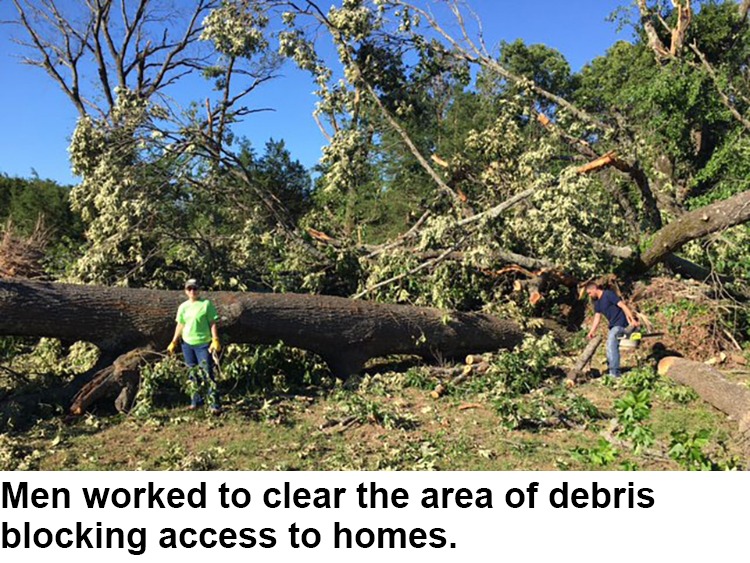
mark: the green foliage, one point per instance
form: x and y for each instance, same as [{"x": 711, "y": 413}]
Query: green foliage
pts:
[
  {"x": 419, "y": 379},
  {"x": 243, "y": 371},
  {"x": 271, "y": 368},
  {"x": 449, "y": 285},
  {"x": 16, "y": 455},
  {"x": 601, "y": 455},
  {"x": 237, "y": 29},
  {"x": 646, "y": 379},
  {"x": 156, "y": 216},
  {"x": 176, "y": 458},
  {"x": 358, "y": 408},
  {"x": 47, "y": 357},
  {"x": 25, "y": 201},
  {"x": 545, "y": 409},
  {"x": 640, "y": 379},
  {"x": 633, "y": 410},
  {"x": 523, "y": 369},
  {"x": 154, "y": 378},
  {"x": 688, "y": 449},
  {"x": 542, "y": 65},
  {"x": 12, "y": 346},
  {"x": 717, "y": 29}
]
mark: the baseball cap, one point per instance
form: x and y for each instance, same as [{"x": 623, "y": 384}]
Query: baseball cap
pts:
[{"x": 191, "y": 283}]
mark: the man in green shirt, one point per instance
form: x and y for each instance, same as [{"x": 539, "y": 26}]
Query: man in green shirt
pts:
[{"x": 196, "y": 325}]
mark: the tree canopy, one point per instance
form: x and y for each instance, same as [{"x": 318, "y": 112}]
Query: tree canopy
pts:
[{"x": 439, "y": 145}]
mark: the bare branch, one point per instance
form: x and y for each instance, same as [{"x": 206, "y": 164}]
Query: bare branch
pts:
[
  {"x": 476, "y": 55},
  {"x": 101, "y": 22},
  {"x": 722, "y": 94},
  {"x": 497, "y": 210},
  {"x": 120, "y": 43},
  {"x": 701, "y": 222},
  {"x": 654, "y": 41},
  {"x": 433, "y": 262},
  {"x": 171, "y": 61},
  {"x": 684, "y": 17},
  {"x": 413, "y": 148},
  {"x": 743, "y": 9},
  {"x": 49, "y": 56}
]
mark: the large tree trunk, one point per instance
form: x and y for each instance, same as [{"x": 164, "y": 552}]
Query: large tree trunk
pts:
[
  {"x": 696, "y": 224},
  {"x": 712, "y": 387},
  {"x": 345, "y": 333}
]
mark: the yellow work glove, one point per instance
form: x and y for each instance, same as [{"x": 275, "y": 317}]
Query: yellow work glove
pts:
[
  {"x": 172, "y": 347},
  {"x": 215, "y": 346}
]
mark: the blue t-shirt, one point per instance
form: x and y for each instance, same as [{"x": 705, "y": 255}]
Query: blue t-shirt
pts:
[{"x": 607, "y": 306}]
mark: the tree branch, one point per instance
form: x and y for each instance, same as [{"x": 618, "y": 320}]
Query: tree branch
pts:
[{"x": 696, "y": 224}]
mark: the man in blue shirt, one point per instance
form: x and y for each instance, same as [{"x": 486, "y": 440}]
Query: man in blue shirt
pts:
[{"x": 607, "y": 303}]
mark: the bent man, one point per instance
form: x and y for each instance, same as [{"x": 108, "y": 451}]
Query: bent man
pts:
[{"x": 619, "y": 315}]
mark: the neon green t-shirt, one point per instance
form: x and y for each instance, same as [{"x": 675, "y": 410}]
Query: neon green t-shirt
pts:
[{"x": 197, "y": 316}]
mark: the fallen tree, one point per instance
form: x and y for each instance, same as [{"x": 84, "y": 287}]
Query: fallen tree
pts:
[
  {"x": 583, "y": 360},
  {"x": 696, "y": 224},
  {"x": 130, "y": 324},
  {"x": 712, "y": 387}
]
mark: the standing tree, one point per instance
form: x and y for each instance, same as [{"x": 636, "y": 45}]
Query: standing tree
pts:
[{"x": 159, "y": 180}]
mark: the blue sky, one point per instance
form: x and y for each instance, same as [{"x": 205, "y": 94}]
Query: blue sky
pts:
[{"x": 37, "y": 119}]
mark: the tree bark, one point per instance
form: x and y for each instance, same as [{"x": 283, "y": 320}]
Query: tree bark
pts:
[
  {"x": 696, "y": 224},
  {"x": 710, "y": 384},
  {"x": 345, "y": 333},
  {"x": 121, "y": 379},
  {"x": 575, "y": 372}
]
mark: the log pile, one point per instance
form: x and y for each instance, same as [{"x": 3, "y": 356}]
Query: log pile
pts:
[{"x": 475, "y": 365}]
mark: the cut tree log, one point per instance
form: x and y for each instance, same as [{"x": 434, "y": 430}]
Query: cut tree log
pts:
[
  {"x": 711, "y": 386},
  {"x": 575, "y": 372},
  {"x": 343, "y": 332}
]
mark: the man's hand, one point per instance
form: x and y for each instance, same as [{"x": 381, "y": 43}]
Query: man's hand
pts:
[
  {"x": 215, "y": 346},
  {"x": 590, "y": 335},
  {"x": 172, "y": 347}
]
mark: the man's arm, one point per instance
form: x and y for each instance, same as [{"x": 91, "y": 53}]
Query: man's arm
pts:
[
  {"x": 594, "y": 326},
  {"x": 628, "y": 314},
  {"x": 177, "y": 332},
  {"x": 176, "y": 338}
]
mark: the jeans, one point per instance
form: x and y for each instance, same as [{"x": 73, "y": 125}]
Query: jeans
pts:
[
  {"x": 195, "y": 356},
  {"x": 613, "y": 350}
]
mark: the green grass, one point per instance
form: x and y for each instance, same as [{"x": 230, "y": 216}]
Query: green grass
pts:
[
  {"x": 382, "y": 424},
  {"x": 386, "y": 420}
]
